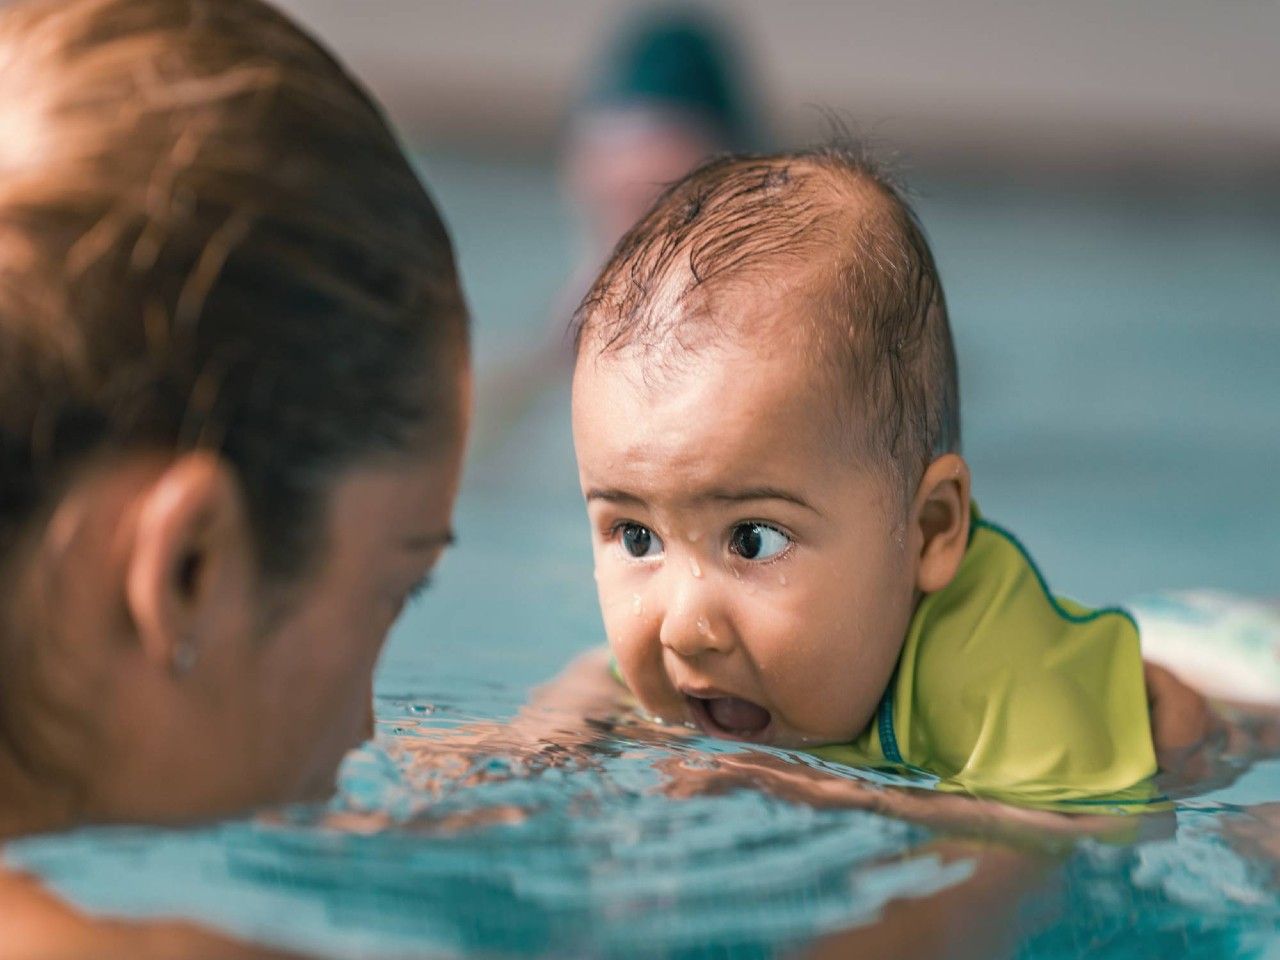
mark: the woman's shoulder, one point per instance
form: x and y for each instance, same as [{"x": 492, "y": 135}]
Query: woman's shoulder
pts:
[{"x": 39, "y": 926}]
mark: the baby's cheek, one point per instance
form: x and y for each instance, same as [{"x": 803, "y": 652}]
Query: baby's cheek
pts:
[
  {"x": 633, "y": 634},
  {"x": 828, "y": 706},
  {"x": 821, "y": 676},
  {"x": 616, "y": 605},
  {"x": 622, "y": 610}
]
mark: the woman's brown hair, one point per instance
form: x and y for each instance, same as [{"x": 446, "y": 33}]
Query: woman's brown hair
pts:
[{"x": 209, "y": 238}]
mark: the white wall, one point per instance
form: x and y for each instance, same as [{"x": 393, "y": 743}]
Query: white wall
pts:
[
  {"x": 1087, "y": 81},
  {"x": 1075, "y": 84}
]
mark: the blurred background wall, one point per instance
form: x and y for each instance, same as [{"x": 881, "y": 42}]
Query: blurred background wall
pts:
[{"x": 1089, "y": 86}]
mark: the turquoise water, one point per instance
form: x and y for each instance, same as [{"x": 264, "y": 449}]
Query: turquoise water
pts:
[{"x": 1119, "y": 366}]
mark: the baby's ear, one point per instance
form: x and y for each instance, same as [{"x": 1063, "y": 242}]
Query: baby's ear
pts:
[{"x": 941, "y": 515}]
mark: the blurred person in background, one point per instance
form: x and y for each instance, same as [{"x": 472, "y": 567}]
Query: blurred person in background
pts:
[{"x": 670, "y": 90}]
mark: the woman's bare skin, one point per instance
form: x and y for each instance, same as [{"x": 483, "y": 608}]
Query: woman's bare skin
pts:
[
  {"x": 39, "y": 926},
  {"x": 974, "y": 918}
]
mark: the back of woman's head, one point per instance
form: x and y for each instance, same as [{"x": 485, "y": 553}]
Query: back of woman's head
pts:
[{"x": 209, "y": 238}]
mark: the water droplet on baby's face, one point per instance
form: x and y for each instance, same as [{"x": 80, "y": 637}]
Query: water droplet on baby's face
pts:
[
  {"x": 782, "y": 579},
  {"x": 694, "y": 568},
  {"x": 637, "y": 604},
  {"x": 704, "y": 627},
  {"x": 694, "y": 536}
]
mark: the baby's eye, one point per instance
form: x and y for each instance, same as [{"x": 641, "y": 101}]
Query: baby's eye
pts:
[
  {"x": 757, "y": 541},
  {"x": 639, "y": 541}
]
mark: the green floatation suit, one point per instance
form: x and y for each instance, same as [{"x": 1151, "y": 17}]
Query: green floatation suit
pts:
[{"x": 1005, "y": 690}]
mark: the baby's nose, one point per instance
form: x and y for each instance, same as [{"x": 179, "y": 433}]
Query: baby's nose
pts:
[
  {"x": 692, "y": 642},
  {"x": 692, "y": 625}
]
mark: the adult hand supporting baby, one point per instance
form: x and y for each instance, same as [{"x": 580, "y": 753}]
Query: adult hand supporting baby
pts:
[
  {"x": 978, "y": 917},
  {"x": 952, "y": 813},
  {"x": 1013, "y": 851},
  {"x": 561, "y": 726}
]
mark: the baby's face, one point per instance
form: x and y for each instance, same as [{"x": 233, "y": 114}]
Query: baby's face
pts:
[{"x": 755, "y": 580}]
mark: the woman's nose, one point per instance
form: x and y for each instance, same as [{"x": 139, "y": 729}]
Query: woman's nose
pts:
[{"x": 691, "y": 624}]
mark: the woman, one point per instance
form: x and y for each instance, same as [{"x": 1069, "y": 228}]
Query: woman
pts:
[
  {"x": 233, "y": 400},
  {"x": 670, "y": 89}
]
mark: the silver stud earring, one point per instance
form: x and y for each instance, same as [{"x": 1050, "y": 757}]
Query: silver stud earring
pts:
[{"x": 184, "y": 657}]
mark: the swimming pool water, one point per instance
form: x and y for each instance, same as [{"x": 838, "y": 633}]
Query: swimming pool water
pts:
[
  {"x": 1118, "y": 366},
  {"x": 598, "y": 862}
]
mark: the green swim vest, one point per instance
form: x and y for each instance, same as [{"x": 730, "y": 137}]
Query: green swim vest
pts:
[{"x": 1005, "y": 690}]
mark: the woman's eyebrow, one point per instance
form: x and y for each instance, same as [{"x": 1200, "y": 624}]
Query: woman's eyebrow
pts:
[{"x": 430, "y": 541}]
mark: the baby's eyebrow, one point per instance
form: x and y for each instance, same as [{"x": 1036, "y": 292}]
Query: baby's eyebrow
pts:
[
  {"x": 757, "y": 493},
  {"x": 611, "y": 495}
]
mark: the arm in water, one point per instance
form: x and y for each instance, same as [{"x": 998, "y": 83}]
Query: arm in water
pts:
[
  {"x": 567, "y": 718},
  {"x": 39, "y": 926}
]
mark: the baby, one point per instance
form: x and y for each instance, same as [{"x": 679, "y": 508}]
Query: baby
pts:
[{"x": 767, "y": 423}]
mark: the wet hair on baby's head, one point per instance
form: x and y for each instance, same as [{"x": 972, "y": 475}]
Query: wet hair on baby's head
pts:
[{"x": 824, "y": 228}]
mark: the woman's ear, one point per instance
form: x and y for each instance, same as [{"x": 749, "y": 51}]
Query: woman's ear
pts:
[
  {"x": 941, "y": 512},
  {"x": 189, "y": 565}
]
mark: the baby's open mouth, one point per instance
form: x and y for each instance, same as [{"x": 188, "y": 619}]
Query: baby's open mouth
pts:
[{"x": 730, "y": 717}]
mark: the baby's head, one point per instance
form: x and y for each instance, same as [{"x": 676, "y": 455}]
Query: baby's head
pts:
[{"x": 766, "y": 416}]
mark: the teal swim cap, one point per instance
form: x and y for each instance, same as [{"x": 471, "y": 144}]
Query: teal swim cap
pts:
[{"x": 680, "y": 61}]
